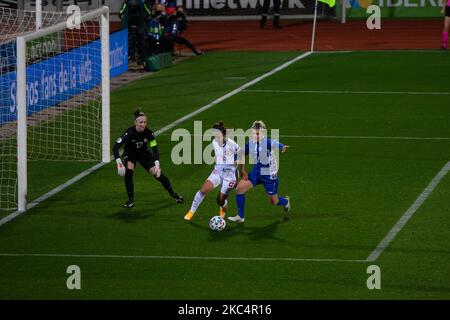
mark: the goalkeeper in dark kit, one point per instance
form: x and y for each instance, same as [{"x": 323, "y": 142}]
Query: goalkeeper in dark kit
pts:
[{"x": 135, "y": 141}]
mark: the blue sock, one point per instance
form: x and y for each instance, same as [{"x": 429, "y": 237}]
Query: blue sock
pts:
[
  {"x": 282, "y": 201},
  {"x": 240, "y": 200}
]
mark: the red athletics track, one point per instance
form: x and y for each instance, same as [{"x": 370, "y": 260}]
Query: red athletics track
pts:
[{"x": 331, "y": 35}]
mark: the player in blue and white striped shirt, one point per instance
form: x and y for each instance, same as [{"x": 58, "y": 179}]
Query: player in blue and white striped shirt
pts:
[{"x": 264, "y": 170}]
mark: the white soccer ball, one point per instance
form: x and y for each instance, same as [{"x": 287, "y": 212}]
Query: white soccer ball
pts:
[{"x": 217, "y": 223}]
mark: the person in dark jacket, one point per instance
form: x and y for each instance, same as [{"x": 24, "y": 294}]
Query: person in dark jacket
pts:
[
  {"x": 132, "y": 17},
  {"x": 176, "y": 25},
  {"x": 156, "y": 25}
]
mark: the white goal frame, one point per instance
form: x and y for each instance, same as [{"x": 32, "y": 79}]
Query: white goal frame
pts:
[{"x": 21, "y": 95}]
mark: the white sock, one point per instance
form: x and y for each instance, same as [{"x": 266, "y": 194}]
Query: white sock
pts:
[
  {"x": 225, "y": 204},
  {"x": 197, "y": 201}
]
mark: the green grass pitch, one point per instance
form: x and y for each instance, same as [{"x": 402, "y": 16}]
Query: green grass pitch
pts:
[{"x": 358, "y": 160}]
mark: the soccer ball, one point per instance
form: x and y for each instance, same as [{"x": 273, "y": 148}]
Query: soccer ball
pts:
[{"x": 217, "y": 223}]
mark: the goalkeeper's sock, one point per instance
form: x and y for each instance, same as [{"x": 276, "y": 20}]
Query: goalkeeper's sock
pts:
[
  {"x": 197, "y": 201},
  {"x": 444, "y": 39},
  {"x": 166, "y": 184},
  {"x": 282, "y": 201},
  {"x": 129, "y": 183},
  {"x": 240, "y": 200}
]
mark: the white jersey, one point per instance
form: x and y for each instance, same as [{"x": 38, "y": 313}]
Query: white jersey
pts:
[
  {"x": 225, "y": 169},
  {"x": 226, "y": 155}
]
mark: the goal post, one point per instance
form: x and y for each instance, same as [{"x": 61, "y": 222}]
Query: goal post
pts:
[
  {"x": 22, "y": 158},
  {"x": 38, "y": 14},
  {"x": 104, "y": 31},
  {"x": 78, "y": 85}
]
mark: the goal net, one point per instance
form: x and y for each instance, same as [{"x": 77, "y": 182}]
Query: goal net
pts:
[
  {"x": 15, "y": 22},
  {"x": 54, "y": 95}
]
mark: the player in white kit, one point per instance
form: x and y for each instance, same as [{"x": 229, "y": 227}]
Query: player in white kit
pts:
[{"x": 224, "y": 173}]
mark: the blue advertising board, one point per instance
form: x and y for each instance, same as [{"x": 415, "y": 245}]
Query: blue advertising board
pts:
[{"x": 61, "y": 77}]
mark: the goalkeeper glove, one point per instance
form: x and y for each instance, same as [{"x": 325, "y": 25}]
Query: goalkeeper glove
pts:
[
  {"x": 120, "y": 167},
  {"x": 158, "y": 169}
]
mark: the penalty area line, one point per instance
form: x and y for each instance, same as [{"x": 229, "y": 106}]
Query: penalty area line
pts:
[
  {"x": 409, "y": 213},
  {"x": 68, "y": 183},
  {"x": 143, "y": 257}
]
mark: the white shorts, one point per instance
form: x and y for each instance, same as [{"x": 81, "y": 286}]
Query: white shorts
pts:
[{"x": 226, "y": 178}]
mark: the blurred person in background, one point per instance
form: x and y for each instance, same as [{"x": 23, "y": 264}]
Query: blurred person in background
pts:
[
  {"x": 176, "y": 24},
  {"x": 132, "y": 17},
  {"x": 446, "y": 12},
  {"x": 276, "y": 14},
  {"x": 155, "y": 29},
  {"x": 171, "y": 6}
]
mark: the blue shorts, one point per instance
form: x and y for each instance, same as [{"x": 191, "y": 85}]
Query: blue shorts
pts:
[{"x": 271, "y": 185}]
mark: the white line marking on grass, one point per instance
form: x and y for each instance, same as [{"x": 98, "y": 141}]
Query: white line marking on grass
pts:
[
  {"x": 112, "y": 256},
  {"x": 408, "y": 214},
  {"x": 350, "y": 92},
  {"x": 158, "y": 132}
]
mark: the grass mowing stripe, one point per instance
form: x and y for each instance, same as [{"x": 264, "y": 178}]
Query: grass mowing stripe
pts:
[
  {"x": 345, "y": 137},
  {"x": 349, "y": 92},
  {"x": 52, "y": 192},
  {"x": 61, "y": 187},
  {"x": 113, "y": 256},
  {"x": 234, "y": 92},
  {"x": 408, "y": 214}
]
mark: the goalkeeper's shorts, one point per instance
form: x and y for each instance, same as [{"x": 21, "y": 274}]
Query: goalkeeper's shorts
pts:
[{"x": 144, "y": 158}]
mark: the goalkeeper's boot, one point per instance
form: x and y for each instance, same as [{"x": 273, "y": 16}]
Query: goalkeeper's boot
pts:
[
  {"x": 236, "y": 218},
  {"x": 263, "y": 21},
  {"x": 178, "y": 198},
  {"x": 287, "y": 207},
  {"x": 189, "y": 216},
  {"x": 129, "y": 204}
]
